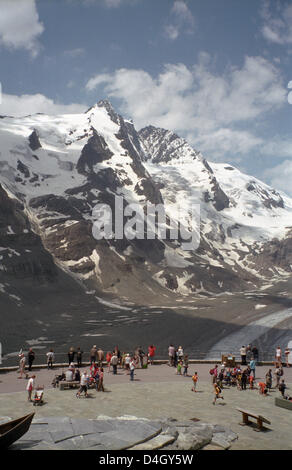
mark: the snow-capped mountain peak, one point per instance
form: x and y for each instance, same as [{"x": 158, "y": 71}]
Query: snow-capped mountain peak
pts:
[{"x": 60, "y": 167}]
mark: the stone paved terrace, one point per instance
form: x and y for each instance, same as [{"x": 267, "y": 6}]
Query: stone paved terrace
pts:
[{"x": 158, "y": 392}]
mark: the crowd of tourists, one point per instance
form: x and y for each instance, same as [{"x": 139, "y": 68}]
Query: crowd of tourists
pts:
[
  {"x": 242, "y": 376},
  {"x": 94, "y": 378}
]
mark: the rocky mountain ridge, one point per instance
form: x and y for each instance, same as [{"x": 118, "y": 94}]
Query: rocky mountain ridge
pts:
[{"x": 55, "y": 169}]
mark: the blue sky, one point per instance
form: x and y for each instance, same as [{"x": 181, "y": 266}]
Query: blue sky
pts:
[{"x": 214, "y": 71}]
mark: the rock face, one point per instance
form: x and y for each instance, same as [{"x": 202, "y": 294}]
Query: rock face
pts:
[
  {"x": 22, "y": 252},
  {"x": 125, "y": 432},
  {"x": 54, "y": 170}
]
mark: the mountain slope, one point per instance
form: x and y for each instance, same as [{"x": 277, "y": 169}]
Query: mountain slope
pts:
[{"x": 58, "y": 168}]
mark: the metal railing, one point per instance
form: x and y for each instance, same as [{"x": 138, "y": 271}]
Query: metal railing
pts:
[{"x": 194, "y": 354}]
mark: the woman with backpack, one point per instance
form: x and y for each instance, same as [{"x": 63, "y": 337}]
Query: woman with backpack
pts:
[{"x": 214, "y": 372}]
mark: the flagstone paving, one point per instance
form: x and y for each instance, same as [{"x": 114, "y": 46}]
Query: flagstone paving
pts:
[{"x": 156, "y": 394}]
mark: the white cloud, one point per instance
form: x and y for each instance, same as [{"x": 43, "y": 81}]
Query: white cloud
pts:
[
  {"x": 180, "y": 20},
  {"x": 277, "y": 24},
  {"x": 280, "y": 176},
  {"x": 225, "y": 140},
  {"x": 112, "y": 3},
  {"x": 77, "y": 52},
  {"x": 216, "y": 112},
  {"x": 278, "y": 147},
  {"x": 109, "y": 3},
  {"x": 171, "y": 31},
  {"x": 20, "y": 27},
  {"x": 13, "y": 105}
]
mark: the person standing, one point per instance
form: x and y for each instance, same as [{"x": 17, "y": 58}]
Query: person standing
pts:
[
  {"x": 151, "y": 353},
  {"x": 278, "y": 357},
  {"x": 93, "y": 354},
  {"x": 178, "y": 369},
  {"x": 287, "y": 352},
  {"x": 180, "y": 353},
  {"x": 71, "y": 355},
  {"x": 132, "y": 369},
  {"x": 186, "y": 365},
  {"x": 252, "y": 366},
  {"x": 79, "y": 357},
  {"x": 100, "y": 382},
  {"x": 118, "y": 354},
  {"x": 251, "y": 382},
  {"x": 248, "y": 352},
  {"x": 214, "y": 373},
  {"x": 31, "y": 358},
  {"x": 243, "y": 355},
  {"x": 100, "y": 357},
  {"x": 278, "y": 375},
  {"x": 114, "y": 363},
  {"x": 171, "y": 354},
  {"x": 195, "y": 381},
  {"x": 108, "y": 360},
  {"x": 30, "y": 387},
  {"x": 282, "y": 388},
  {"x": 21, "y": 365},
  {"x": 269, "y": 379},
  {"x": 140, "y": 354},
  {"x": 255, "y": 353},
  {"x": 50, "y": 358}
]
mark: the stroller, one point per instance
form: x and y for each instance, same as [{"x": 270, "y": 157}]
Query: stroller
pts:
[{"x": 38, "y": 398}]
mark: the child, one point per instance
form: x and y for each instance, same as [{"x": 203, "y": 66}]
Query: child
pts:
[
  {"x": 217, "y": 391},
  {"x": 239, "y": 387},
  {"x": 251, "y": 381},
  {"x": 262, "y": 388},
  {"x": 195, "y": 380},
  {"x": 179, "y": 366}
]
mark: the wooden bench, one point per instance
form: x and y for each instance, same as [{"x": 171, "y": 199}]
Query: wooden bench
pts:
[
  {"x": 63, "y": 384},
  {"x": 260, "y": 419}
]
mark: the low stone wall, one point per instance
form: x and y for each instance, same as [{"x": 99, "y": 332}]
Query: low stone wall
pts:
[{"x": 87, "y": 364}]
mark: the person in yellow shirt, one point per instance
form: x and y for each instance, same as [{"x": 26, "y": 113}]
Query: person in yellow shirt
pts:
[{"x": 217, "y": 391}]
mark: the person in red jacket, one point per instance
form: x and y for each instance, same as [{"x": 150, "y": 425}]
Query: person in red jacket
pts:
[
  {"x": 151, "y": 353},
  {"x": 108, "y": 360}
]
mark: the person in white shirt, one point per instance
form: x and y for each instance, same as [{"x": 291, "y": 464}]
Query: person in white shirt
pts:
[
  {"x": 127, "y": 363},
  {"x": 21, "y": 365},
  {"x": 243, "y": 355},
  {"x": 83, "y": 385},
  {"x": 180, "y": 353},
  {"x": 132, "y": 368},
  {"x": 278, "y": 357},
  {"x": 30, "y": 387},
  {"x": 69, "y": 375},
  {"x": 114, "y": 363},
  {"x": 50, "y": 358}
]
